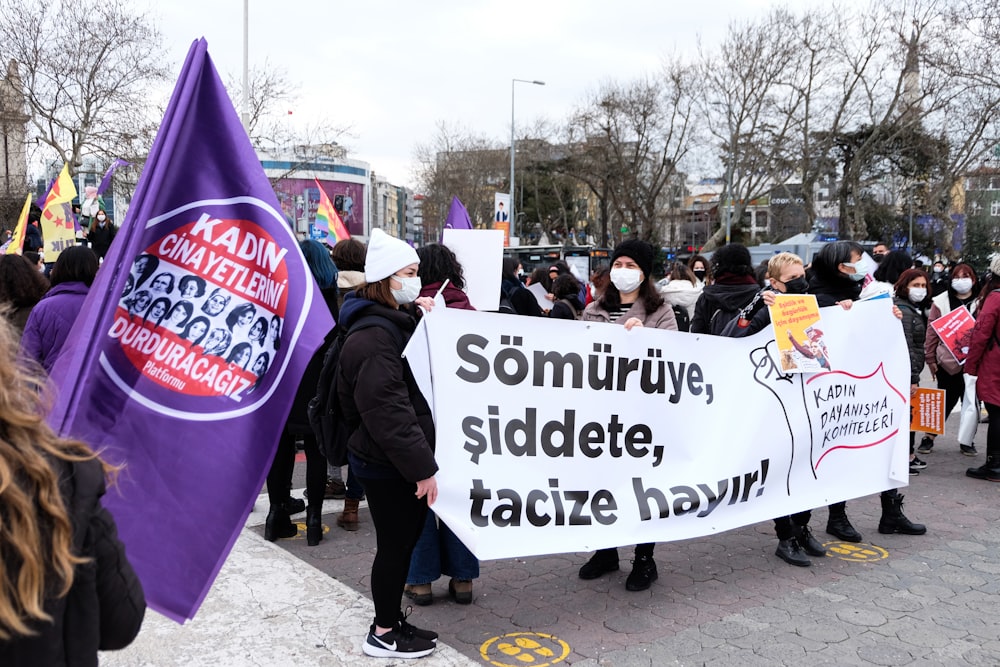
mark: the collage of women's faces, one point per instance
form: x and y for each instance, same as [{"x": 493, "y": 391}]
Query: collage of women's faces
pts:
[{"x": 161, "y": 295}]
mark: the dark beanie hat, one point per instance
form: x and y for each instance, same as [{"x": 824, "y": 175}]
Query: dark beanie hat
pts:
[{"x": 639, "y": 252}]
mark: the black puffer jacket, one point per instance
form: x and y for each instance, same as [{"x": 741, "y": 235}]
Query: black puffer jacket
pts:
[
  {"x": 728, "y": 298},
  {"x": 298, "y": 417},
  {"x": 390, "y": 421},
  {"x": 915, "y": 331},
  {"x": 105, "y": 607}
]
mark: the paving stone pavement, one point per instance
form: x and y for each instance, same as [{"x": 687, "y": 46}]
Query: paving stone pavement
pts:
[
  {"x": 726, "y": 599},
  {"x": 720, "y": 600}
]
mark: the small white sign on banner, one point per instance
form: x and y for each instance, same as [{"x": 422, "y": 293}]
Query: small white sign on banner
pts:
[{"x": 556, "y": 436}]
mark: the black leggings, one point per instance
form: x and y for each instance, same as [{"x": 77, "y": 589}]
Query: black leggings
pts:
[
  {"x": 993, "y": 430},
  {"x": 785, "y": 526},
  {"x": 279, "y": 477},
  {"x": 954, "y": 389},
  {"x": 399, "y": 518}
]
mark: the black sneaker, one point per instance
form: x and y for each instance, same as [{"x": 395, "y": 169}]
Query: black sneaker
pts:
[
  {"x": 926, "y": 445},
  {"x": 918, "y": 464},
  {"x": 969, "y": 450},
  {"x": 396, "y": 644},
  {"x": 406, "y": 628},
  {"x": 643, "y": 574}
]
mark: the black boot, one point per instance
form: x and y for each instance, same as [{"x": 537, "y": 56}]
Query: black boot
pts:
[
  {"x": 790, "y": 552},
  {"x": 893, "y": 520},
  {"x": 809, "y": 544},
  {"x": 602, "y": 562},
  {"x": 643, "y": 574},
  {"x": 278, "y": 525},
  {"x": 839, "y": 525},
  {"x": 990, "y": 471},
  {"x": 314, "y": 525}
]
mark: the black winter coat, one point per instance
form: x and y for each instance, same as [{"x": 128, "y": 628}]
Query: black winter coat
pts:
[
  {"x": 720, "y": 297},
  {"x": 915, "y": 331},
  {"x": 105, "y": 607},
  {"x": 100, "y": 238},
  {"x": 390, "y": 422},
  {"x": 298, "y": 418}
]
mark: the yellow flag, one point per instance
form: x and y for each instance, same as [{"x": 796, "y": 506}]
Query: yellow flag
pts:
[
  {"x": 58, "y": 221},
  {"x": 17, "y": 241}
]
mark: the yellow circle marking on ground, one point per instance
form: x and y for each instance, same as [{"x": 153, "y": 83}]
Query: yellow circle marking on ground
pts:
[
  {"x": 524, "y": 648},
  {"x": 855, "y": 552}
]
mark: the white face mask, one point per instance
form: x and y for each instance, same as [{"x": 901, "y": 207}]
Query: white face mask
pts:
[
  {"x": 409, "y": 292},
  {"x": 626, "y": 280},
  {"x": 918, "y": 294},
  {"x": 862, "y": 267},
  {"x": 962, "y": 285},
  {"x": 101, "y": 217}
]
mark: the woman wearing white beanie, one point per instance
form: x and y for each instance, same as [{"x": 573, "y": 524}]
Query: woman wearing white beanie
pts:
[{"x": 391, "y": 446}]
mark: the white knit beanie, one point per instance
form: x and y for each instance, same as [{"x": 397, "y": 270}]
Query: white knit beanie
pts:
[
  {"x": 995, "y": 266},
  {"x": 386, "y": 255}
]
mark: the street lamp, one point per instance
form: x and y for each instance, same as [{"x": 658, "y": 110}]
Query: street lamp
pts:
[{"x": 511, "y": 215}]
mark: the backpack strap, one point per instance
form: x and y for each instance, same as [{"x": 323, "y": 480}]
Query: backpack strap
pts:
[{"x": 572, "y": 309}]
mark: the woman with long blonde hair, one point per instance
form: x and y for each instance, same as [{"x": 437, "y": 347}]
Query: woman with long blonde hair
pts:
[{"x": 66, "y": 587}]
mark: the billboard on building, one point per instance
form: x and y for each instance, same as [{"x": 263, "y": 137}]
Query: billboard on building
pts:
[{"x": 299, "y": 199}]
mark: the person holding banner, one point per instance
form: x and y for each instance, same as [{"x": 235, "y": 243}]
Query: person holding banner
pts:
[
  {"x": 945, "y": 369},
  {"x": 67, "y": 588},
  {"x": 439, "y": 551},
  {"x": 633, "y": 301},
  {"x": 983, "y": 363},
  {"x": 391, "y": 446},
  {"x": 838, "y": 270},
  {"x": 913, "y": 298}
]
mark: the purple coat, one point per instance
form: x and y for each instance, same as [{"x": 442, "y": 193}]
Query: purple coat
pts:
[{"x": 51, "y": 321}]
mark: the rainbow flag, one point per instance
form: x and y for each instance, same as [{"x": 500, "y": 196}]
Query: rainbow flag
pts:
[
  {"x": 58, "y": 221},
  {"x": 17, "y": 241},
  {"x": 327, "y": 217}
]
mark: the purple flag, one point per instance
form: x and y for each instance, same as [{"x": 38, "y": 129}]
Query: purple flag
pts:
[
  {"x": 191, "y": 344},
  {"x": 458, "y": 217},
  {"x": 106, "y": 181}
]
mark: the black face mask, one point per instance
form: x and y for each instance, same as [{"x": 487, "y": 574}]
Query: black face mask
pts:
[
  {"x": 878, "y": 258},
  {"x": 700, "y": 274},
  {"x": 797, "y": 286}
]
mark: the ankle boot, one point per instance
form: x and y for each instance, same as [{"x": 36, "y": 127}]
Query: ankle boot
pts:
[
  {"x": 348, "y": 519},
  {"x": 278, "y": 524},
  {"x": 893, "y": 520},
  {"x": 990, "y": 471},
  {"x": 839, "y": 525},
  {"x": 314, "y": 525}
]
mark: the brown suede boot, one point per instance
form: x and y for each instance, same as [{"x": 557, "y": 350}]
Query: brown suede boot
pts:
[{"x": 348, "y": 519}]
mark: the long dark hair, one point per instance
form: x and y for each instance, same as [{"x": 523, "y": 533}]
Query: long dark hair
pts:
[
  {"x": 21, "y": 283},
  {"x": 991, "y": 283},
  {"x": 437, "y": 264}
]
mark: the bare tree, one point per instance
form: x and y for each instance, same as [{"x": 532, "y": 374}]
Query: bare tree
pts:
[
  {"x": 87, "y": 68},
  {"x": 459, "y": 163},
  {"x": 626, "y": 143},
  {"x": 751, "y": 108}
]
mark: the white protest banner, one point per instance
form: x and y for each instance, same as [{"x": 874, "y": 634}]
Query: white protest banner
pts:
[
  {"x": 560, "y": 436},
  {"x": 480, "y": 252}
]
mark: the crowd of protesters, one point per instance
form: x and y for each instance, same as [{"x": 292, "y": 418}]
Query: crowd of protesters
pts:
[{"x": 390, "y": 454}]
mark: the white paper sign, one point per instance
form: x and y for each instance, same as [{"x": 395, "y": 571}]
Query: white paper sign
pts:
[{"x": 480, "y": 252}]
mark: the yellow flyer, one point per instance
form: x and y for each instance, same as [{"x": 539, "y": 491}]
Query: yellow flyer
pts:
[
  {"x": 801, "y": 348},
  {"x": 927, "y": 411}
]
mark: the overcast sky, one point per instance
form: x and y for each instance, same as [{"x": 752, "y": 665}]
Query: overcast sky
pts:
[{"x": 392, "y": 69}]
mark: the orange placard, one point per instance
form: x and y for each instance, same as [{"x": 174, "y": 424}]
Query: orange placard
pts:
[
  {"x": 927, "y": 411},
  {"x": 505, "y": 226}
]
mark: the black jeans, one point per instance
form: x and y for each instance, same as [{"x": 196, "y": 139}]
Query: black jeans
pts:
[
  {"x": 785, "y": 526},
  {"x": 399, "y": 518},
  {"x": 954, "y": 389}
]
